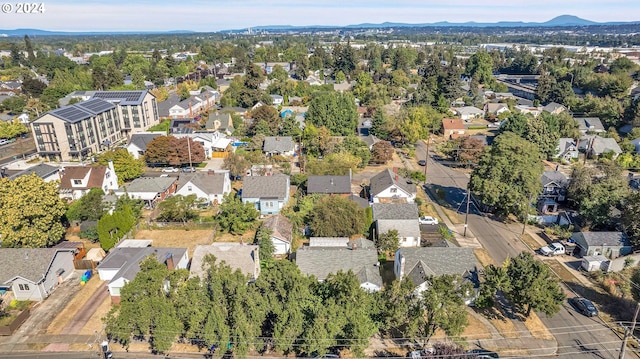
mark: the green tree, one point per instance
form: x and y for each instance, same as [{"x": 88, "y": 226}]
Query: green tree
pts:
[
  {"x": 14, "y": 104},
  {"x": 236, "y": 164},
  {"x": 443, "y": 306},
  {"x": 30, "y": 212},
  {"x": 335, "y": 111},
  {"x": 112, "y": 227},
  {"x": 388, "y": 242},
  {"x": 263, "y": 239},
  {"x": 12, "y": 129},
  {"x": 382, "y": 152},
  {"x": 89, "y": 207},
  {"x": 398, "y": 309},
  {"x": 508, "y": 174},
  {"x": 269, "y": 116},
  {"x": 236, "y": 217},
  {"x": 178, "y": 208},
  {"x": 480, "y": 67},
  {"x": 534, "y": 131},
  {"x": 278, "y": 73},
  {"x": 335, "y": 216},
  {"x": 630, "y": 214},
  {"x": 33, "y": 87},
  {"x": 126, "y": 166}
]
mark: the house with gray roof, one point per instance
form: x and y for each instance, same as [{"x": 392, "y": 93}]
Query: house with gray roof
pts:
[
  {"x": 420, "y": 264},
  {"x": 220, "y": 121},
  {"x": 33, "y": 273},
  {"x": 209, "y": 187},
  {"x": 152, "y": 190},
  {"x": 567, "y": 149},
  {"x": 47, "y": 172},
  {"x": 323, "y": 261},
  {"x": 402, "y": 217},
  {"x": 281, "y": 233},
  {"x": 122, "y": 265},
  {"x": 554, "y": 185},
  {"x": 329, "y": 184},
  {"x": 268, "y": 193},
  {"x": 238, "y": 256},
  {"x": 636, "y": 144},
  {"x": 594, "y": 145},
  {"x": 468, "y": 113},
  {"x": 389, "y": 187},
  {"x": 610, "y": 244},
  {"x": 589, "y": 124},
  {"x": 554, "y": 108},
  {"x": 138, "y": 142},
  {"x": 279, "y": 145}
]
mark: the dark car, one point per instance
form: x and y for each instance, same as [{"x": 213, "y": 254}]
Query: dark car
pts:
[
  {"x": 483, "y": 354},
  {"x": 584, "y": 306},
  {"x": 188, "y": 169},
  {"x": 422, "y": 163}
]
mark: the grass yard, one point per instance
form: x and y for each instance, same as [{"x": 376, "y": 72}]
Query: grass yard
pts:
[
  {"x": 531, "y": 242},
  {"x": 176, "y": 238},
  {"x": 561, "y": 270},
  {"x": 483, "y": 257},
  {"x": 71, "y": 309},
  {"x": 537, "y": 328}
]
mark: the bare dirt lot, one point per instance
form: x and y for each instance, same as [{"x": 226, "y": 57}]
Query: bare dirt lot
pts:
[{"x": 176, "y": 238}]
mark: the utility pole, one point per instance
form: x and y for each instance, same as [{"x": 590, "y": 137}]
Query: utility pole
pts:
[
  {"x": 466, "y": 215},
  {"x": 189, "y": 150},
  {"x": 526, "y": 215},
  {"x": 426, "y": 158},
  {"x": 628, "y": 332}
]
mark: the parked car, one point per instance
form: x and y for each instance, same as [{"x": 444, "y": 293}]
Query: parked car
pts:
[
  {"x": 422, "y": 163},
  {"x": 483, "y": 354},
  {"x": 188, "y": 169},
  {"x": 552, "y": 249},
  {"x": 495, "y": 124},
  {"x": 584, "y": 306},
  {"x": 170, "y": 169},
  {"x": 428, "y": 220}
]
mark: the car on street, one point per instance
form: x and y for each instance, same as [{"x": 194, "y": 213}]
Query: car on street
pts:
[
  {"x": 483, "y": 354},
  {"x": 428, "y": 220},
  {"x": 552, "y": 249},
  {"x": 188, "y": 169},
  {"x": 422, "y": 163},
  {"x": 170, "y": 170},
  {"x": 584, "y": 306}
]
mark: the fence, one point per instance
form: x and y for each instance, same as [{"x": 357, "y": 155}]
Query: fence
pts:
[
  {"x": 9, "y": 329},
  {"x": 219, "y": 154},
  {"x": 84, "y": 264}
]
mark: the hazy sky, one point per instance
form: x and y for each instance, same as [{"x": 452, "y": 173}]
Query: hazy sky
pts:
[{"x": 213, "y": 15}]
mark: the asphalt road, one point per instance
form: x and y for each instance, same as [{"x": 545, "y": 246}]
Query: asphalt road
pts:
[{"x": 577, "y": 335}]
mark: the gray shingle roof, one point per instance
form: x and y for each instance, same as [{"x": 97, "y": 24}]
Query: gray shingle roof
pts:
[
  {"x": 41, "y": 170},
  {"x": 556, "y": 177},
  {"x": 605, "y": 144},
  {"x": 329, "y": 184},
  {"x": 386, "y": 178},
  {"x": 265, "y": 187},
  {"x": 395, "y": 211},
  {"x": 29, "y": 263},
  {"x": 141, "y": 140},
  {"x": 149, "y": 184},
  {"x": 210, "y": 183},
  {"x": 278, "y": 144},
  {"x": 604, "y": 238},
  {"x": 320, "y": 262},
  {"x": 589, "y": 124},
  {"x": 552, "y": 107},
  {"x": 280, "y": 226},
  {"x": 235, "y": 255},
  {"x": 405, "y": 227},
  {"x": 127, "y": 260},
  {"x": 420, "y": 263}
]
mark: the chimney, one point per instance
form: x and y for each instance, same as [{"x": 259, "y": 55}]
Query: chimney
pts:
[
  {"x": 354, "y": 246},
  {"x": 169, "y": 261},
  {"x": 395, "y": 171}
]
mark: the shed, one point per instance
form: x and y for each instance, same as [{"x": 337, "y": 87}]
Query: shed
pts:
[
  {"x": 95, "y": 254},
  {"x": 594, "y": 263}
]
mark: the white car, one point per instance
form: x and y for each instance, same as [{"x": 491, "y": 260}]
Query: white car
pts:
[
  {"x": 552, "y": 249},
  {"x": 170, "y": 169},
  {"x": 428, "y": 220}
]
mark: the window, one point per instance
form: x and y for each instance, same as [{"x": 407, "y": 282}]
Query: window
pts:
[
  {"x": 77, "y": 181},
  {"x": 23, "y": 286},
  {"x": 393, "y": 190},
  {"x": 189, "y": 188}
]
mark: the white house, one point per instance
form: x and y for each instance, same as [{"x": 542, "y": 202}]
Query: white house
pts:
[
  {"x": 276, "y": 100},
  {"x": 207, "y": 186},
  {"x": 137, "y": 145},
  {"x": 402, "y": 217},
  {"x": 76, "y": 181},
  {"x": 389, "y": 186},
  {"x": 281, "y": 233},
  {"x": 468, "y": 113}
]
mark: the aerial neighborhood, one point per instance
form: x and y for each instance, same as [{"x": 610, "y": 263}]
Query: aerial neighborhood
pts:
[{"x": 336, "y": 195}]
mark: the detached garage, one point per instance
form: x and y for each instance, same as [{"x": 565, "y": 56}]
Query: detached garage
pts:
[{"x": 595, "y": 263}]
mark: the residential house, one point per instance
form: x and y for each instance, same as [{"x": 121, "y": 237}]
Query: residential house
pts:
[
  {"x": 279, "y": 145},
  {"x": 76, "y": 181},
  {"x": 528, "y": 110},
  {"x": 594, "y": 145},
  {"x": 636, "y": 144},
  {"x": 268, "y": 193},
  {"x": 419, "y": 264},
  {"x": 567, "y": 149},
  {"x": 554, "y": 190},
  {"x": 268, "y": 67},
  {"x": 468, "y": 113},
  {"x": 47, "y": 172},
  {"x": 610, "y": 244},
  {"x": 215, "y": 144},
  {"x": 122, "y": 264},
  {"x": 276, "y": 100},
  {"x": 324, "y": 261},
  {"x": 164, "y": 107},
  {"x": 341, "y": 242},
  {"x": 238, "y": 256},
  {"x": 402, "y": 217},
  {"x": 589, "y": 124},
  {"x": 388, "y": 186},
  {"x": 11, "y": 85},
  {"x": 209, "y": 187},
  {"x": 152, "y": 190},
  {"x": 554, "y": 108},
  {"x": 364, "y": 126},
  {"x": 370, "y": 140},
  {"x": 220, "y": 121},
  {"x": 194, "y": 104},
  {"x": 338, "y": 185},
  {"x": 281, "y": 233},
  {"x": 493, "y": 109},
  {"x": 34, "y": 273},
  {"x": 452, "y": 128},
  {"x": 137, "y": 145}
]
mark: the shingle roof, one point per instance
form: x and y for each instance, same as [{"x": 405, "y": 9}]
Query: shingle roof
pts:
[
  {"x": 452, "y": 124},
  {"x": 406, "y": 227},
  {"x": 386, "y": 178},
  {"x": 265, "y": 187},
  {"x": 29, "y": 263},
  {"x": 552, "y": 107},
  {"x": 421, "y": 263},
  {"x": 556, "y": 177},
  {"x": 604, "y": 238},
  {"x": 41, "y": 170},
  {"x": 361, "y": 202},
  {"x": 235, "y": 255},
  {"x": 210, "y": 183},
  {"x": 321, "y": 262},
  {"x": 329, "y": 184},
  {"x": 278, "y": 144},
  {"x": 605, "y": 144},
  {"x": 141, "y": 140},
  {"x": 96, "y": 176},
  {"x": 280, "y": 226},
  {"x": 395, "y": 211},
  {"x": 150, "y": 184},
  {"x": 127, "y": 260},
  {"x": 589, "y": 124}
]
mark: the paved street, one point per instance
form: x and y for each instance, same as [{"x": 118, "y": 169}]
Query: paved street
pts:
[{"x": 577, "y": 335}]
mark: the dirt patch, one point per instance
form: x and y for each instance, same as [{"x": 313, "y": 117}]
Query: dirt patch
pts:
[
  {"x": 483, "y": 257},
  {"x": 531, "y": 242},
  {"x": 72, "y": 307},
  {"x": 453, "y": 216},
  {"x": 503, "y": 325},
  {"x": 184, "y": 348},
  {"x": 537, "y": 328},
  {"x": 80, "y": 347},
  {"x": 176, "y": 238},
  {"x": 94, "y": 324},
  {"x": 476, "y": 329},
  {"x": 562, "y": 272}
]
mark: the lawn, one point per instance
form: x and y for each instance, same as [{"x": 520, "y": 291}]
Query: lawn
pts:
[{"x": 176, "y": 238}]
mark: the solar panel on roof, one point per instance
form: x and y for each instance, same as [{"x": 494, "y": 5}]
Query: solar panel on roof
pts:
[
  {"x": 96, "y": 106},
  {"x": 126, "y": 96},
  {"x": 71, "y": 113}
]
